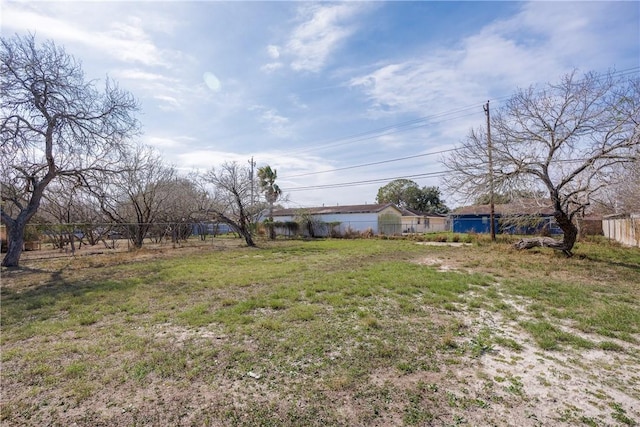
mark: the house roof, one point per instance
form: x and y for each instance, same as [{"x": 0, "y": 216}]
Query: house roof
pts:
[
  {"x": 520, "y": 207},
  {"x": 409, "y": 212},
  {"x": 325, "y": 210}
]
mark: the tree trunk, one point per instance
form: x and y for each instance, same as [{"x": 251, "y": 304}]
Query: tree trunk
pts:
[
  {"x": 243, "y": 231},
  {"x": 568, "y": 240},
  {"x": 569, "y": 229},
  {"x": 15, "y": 243},
  {"x": 248, "y": 238},
  {"x": 272, "y": 230}
]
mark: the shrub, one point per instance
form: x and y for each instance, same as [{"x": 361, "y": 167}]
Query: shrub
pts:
[{"x": 368, "y": 233}]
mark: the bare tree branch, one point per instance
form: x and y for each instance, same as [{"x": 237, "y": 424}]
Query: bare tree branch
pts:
[
  {"x": 564, "y": 138},
  {"x": 53, "y": 123}
]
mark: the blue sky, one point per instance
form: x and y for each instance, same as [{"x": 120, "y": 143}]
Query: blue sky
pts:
[{"x": 327, "y": 93}]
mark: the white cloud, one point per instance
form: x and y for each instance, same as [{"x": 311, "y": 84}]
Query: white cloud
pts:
[
  {"x": 141, "y": 75},
  {"x": 539, "y": 44},
  {"x": 416, "y": 87},
  {"x": 160, "y": 142},
  {"x": 203, "y": 159},
  {"x": 129, "y": 42},
  {"x": 272, "y": 66},
  {"x": 296, "y": 102},
  {"x": 168, "y": 92},
  {"x": 321, "y": 32},
  {"x": 124, "y": 40},
  {"x": 168, "y": 103},
  {"x": 276, "y": 124},
  {"x": 273, "y": 51}
]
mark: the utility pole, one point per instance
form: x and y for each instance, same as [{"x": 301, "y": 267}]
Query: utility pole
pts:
[
  {"x": 492, "y": 225},
  {"x": 252, "y": 163}
]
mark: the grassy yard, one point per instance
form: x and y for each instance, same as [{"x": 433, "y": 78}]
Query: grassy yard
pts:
[{"x": 329, "y": 332}]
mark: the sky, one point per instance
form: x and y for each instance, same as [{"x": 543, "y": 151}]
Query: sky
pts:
[{"x": 340, "y": 98}]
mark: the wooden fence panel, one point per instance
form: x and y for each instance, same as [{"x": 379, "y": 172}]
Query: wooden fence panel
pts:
[{"x": 624, "y": 229}]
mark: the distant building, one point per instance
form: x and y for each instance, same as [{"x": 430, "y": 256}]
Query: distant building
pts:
[
  {"x": 522, "y": 217},
  {"x": 340, "y": 220},
  {"x": 416, "y": 222}
]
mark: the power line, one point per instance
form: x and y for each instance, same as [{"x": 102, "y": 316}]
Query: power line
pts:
[
  {"x": 402, "y": 127},
  {"x": 388, "y": 130},
  {"x": 373, "y": 163},
  {"x": 411, "y": 125},
  {"x": 365, "y": 182},
  {"x": 437, "y": 174}
]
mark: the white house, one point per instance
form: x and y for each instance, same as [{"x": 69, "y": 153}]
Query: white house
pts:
[
  {"x": 415, "y": 222},
  {"x": 341, "y": 220}
]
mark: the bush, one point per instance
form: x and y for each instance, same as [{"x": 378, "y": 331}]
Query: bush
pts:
[{"x": 468, "y": 238}]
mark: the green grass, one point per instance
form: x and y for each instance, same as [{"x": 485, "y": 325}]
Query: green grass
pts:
[
  {"x": 550, "y": 337},
  {"x": 339, "y": 332}
]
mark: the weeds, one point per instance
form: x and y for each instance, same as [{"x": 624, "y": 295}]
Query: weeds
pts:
[{"x": 340, "y": 332}]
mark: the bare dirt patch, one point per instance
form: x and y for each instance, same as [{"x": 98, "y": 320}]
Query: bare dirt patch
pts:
[
  {"x": 568, "y": 387},
  {"x": 441, "y": 264},
  {"x": 452, "y": 244}
]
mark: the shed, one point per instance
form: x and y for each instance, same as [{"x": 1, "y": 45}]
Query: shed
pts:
[
  {"x": 528, "y": 216},
  {"x": 327, "y": 220}
]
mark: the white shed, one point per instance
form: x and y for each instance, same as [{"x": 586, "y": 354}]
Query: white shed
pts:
[{"x": 331, "y": 220}]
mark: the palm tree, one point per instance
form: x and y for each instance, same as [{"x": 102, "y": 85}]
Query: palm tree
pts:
[{"x": 267, "y": 177}]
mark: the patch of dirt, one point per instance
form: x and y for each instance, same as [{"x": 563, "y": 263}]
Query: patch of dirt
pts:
[
  {"x": 178, "y": 335},
  {"x": 441, "y": 264},
  {"x": 454, "y": 244},
  {"x": 568, "y": 387}
]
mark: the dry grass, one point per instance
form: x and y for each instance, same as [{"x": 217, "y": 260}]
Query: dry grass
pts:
[{"x": 334, "y": 332}]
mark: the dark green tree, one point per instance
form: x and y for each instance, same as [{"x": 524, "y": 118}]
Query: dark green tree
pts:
[
  {"x": 397, "y": 192},
  {"x": 405, "y": 193},
  {"x": 427, "y": 200}
]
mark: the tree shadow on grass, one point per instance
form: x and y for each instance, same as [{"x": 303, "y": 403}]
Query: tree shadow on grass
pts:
[
  {"x": 20, "y": 304},
  {"x": 610, "y": 263}
]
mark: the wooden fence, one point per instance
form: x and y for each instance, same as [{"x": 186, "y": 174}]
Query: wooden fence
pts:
[{"x": 623, "y": 228}]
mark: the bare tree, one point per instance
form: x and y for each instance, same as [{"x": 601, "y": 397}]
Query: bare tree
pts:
[
  {"x": 60, "y": 211},
  {"x": 232, "y": 198},
  {"x": 53, "y": 123},
  {"x": 184, "y": 204},
  {"x": 564, "y": 139},
  {"x": 69, "y": 212},
  {"x": 135, "y": 198},
  {"x": 623, "y": 195}
]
